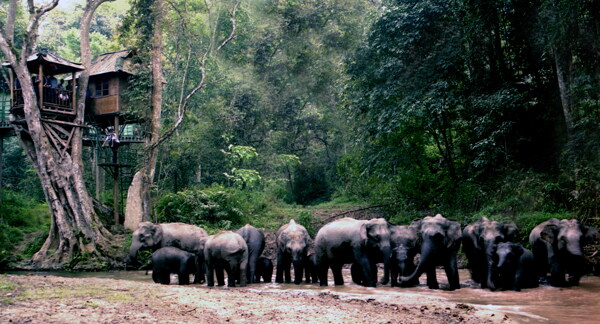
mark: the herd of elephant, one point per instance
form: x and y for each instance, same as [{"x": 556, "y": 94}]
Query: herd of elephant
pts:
[{"x": 495, "y": 262}]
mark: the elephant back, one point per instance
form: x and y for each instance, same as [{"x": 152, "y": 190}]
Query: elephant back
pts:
[
  {"x": 226, "y": 242},
  {"x": 184, "y": 236},
  {"x": 292, "y": 232}
]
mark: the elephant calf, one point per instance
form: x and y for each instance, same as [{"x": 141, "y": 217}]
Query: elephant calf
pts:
[
  {"x": 226, "y": 251},
  {"x": 169, "y": 260},
  {"x": 292, "y": 248},
  {"x": 311, "y": 269},
  {"x": 513, "y": 268},
  {"x": 264, "y": 269}
]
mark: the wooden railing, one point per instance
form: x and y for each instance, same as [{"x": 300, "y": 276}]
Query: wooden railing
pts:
[{"x": 55, "y": 100}]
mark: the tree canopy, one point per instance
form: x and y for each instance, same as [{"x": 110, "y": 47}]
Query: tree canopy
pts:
[{"x": 461, "y": 107}]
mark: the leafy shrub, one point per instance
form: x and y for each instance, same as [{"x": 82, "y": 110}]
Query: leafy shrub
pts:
[
  {"x": 214, "y": 206},
  {"x": 19, "y": 216}
]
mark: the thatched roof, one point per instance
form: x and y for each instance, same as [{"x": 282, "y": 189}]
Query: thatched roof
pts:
[{"x": 112, "y": 62}]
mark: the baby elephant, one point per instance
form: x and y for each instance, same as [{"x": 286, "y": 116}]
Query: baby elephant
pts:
[
  {"x": 264, "y": 269},
  {"x": 513, "y": 267},
  {"x": 226, "y": 251},
  {"x": 169, "y": 260},
  {"x": 311, "y": 269}
]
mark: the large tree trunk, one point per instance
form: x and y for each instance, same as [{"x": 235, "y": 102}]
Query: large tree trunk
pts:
[
  {"x": 75, "y": 228},
  {"x": 563, "y": 63}
]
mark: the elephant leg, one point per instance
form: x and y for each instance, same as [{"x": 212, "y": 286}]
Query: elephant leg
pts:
[
  {"x": 557, "y": 274},
  {"x": 298, "y": 271},
  {"x": 184, "y": 278},
  {"x": 210, "y": 275},
  {"x": 374, "y": 275},
  {"x": 231, "y": 276},
  {"x": 287, "y": 269},
  {"x": 200, "y": 274},
  {"x": 280, "y": 266},
  {"x": 432, "y": 282},
  {"x": 242, "y": 269},
  {"x": 394, "y": 275},
  {"x": 220, "y": 275},
  {"x": 251, "y": 273},
  {"x": 322, "y": 268},
  {"x": 336, "y": 268},
  {"x": 155, "y": 276},
  {"x": 366, "y": 266},
  {"x": 451, "y": 269},
  {"x": 356, "y": 274}
]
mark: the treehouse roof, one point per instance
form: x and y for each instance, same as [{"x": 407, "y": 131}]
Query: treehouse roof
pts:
[
  {"x": 51, "y": 64},
  {"x": 112, "y": 62}
]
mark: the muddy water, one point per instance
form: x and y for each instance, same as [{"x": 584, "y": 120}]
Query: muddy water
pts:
[{"x": 539, "y": 305}]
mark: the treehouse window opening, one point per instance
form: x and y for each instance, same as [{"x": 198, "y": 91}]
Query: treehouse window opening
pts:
[{"x": 102, "y": 88}]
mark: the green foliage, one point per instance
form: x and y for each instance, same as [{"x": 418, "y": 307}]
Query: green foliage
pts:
[
  {"x": 212, "y": 206},
  {"x": 21, "y": 216}
]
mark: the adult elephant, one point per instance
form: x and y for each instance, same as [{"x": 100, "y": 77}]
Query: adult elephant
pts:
[
  {"x": 479, "y": 241},
  {"x": 292, "y": 247},
  {"x": 405, "y": 244},
  {"x": 226, "y": 251},
  {"x": 557, "y": 248},
  {"x": 364, "y": 242},
  {"x": 255, "y": 239},
  {"x": 440, "y": 242},
  {"x": 150, "y": 236}
]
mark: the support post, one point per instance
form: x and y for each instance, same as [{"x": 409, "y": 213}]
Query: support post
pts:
[
  {"x": 41, "y": 88},
  {"x": 116, "y": 175},
  {"x": 74, "y": 93}
]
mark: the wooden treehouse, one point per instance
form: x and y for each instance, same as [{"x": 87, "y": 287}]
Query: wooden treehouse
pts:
[{"x": 108, "y": 128}]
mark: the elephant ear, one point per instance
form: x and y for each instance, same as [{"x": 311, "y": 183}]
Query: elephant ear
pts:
[
  {"x": 590, "y": 233},
  {"x": 510, "y": 232},
  {"x": 364, "y": 228},
  {"x": 157, "y": 233},
  {"x": 416, "y": 225},
  {"x": 453, "y": 234},
  {"x": 518, "y": 250}
]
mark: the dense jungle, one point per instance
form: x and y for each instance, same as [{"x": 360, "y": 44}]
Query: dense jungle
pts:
[{"x": 263, "y": 111}]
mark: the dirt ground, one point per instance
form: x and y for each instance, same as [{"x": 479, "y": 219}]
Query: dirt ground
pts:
[{"x": 51, "y": 299}]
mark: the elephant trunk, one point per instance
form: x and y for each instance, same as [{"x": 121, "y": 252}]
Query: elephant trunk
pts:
[
  {"x": 387, "y": 253},
  {"x": 298, "y": 270},
  {"x": 428, "y": 255},
  {"x": 135, "y": 246},
  {"x": 489, "y": 256}
]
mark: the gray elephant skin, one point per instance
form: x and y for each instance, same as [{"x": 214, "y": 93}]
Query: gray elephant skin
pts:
[
  {"x": 292, "y": 248},
  {"x": 348, "y": 240},
  {"x": 479, "y": 240},
  {"x": 255, "y": 240},
  {"x": 557, "y": 247},
  {"x": 226, "y": 251},
  {"x": 311, "y": 269},
  {"x": 513, "y": 268},
  {"x": 405, "y": 243},
  {"x": 264, "y": 269},
  {"x": 169, "y": 260},
  {"x": 440, "y": 242},
  {"x": 149, "y": 236}
]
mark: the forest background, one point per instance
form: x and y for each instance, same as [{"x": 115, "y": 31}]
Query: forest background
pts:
[{"x": 465, "y": 108}]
